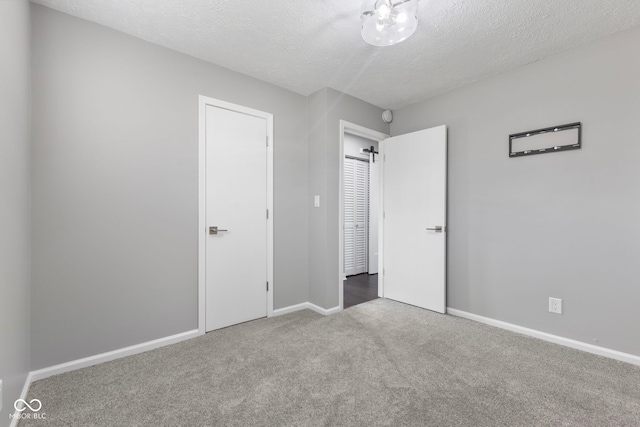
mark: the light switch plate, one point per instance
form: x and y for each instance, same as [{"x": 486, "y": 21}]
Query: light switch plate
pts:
[{"x": 316, "y": 201}]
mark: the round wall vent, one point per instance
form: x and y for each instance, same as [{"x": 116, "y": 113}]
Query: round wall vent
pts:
[{"x": 387, "y": 116}]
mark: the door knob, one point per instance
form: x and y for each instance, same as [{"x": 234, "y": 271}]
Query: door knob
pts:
[
  {"x": 437, "y": 229},
  {"x": 214, "y": 230}
]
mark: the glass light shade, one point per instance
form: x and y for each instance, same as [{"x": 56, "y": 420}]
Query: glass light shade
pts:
[{"x": 390, "y": 22}]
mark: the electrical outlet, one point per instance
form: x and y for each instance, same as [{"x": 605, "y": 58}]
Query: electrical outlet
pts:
[{"x": 555, "y": 305}]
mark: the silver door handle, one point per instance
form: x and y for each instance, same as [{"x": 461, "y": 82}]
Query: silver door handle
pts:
[
  {"x": 214, "y": 230},
  {"x": 437, "y": 229}
]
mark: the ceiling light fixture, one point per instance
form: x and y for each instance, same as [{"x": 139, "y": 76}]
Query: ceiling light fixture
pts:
[{"x": 390, "y": 22}]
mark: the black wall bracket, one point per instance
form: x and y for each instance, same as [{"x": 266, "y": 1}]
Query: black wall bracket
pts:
[{"x": 547, "y": 140}]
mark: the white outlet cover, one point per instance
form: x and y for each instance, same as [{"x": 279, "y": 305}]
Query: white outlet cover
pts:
[
  {"x": 316, "y": 201},
  {"x": 555, "y": 305}
]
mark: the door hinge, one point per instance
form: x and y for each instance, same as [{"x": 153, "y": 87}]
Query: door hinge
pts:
[
  {"x": 267, "y": 286},
  {"x": 267, "y": 213},
  {"x": 267, "y": 141},
  {"x": 383, "y": 271},
  {"x": 384, "y": 215}
]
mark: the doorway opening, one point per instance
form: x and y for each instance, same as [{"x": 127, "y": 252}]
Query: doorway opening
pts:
[
  {"x": 412, "y": 243},
  {"x": 360, "y": 214}
]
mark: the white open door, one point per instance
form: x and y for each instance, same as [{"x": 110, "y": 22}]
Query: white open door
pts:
[{"x": 414, "y": 200}]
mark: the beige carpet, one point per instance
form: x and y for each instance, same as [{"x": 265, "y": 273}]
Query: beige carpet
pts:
[{"x": 381, "y": 363}]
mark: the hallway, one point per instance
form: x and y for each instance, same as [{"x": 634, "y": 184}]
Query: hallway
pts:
[{"x": 360, "y": 288}]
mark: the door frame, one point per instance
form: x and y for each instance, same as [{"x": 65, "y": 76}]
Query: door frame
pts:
[
  {"x": 364, "y": 132},
  {"x": 203, "y": 102}
]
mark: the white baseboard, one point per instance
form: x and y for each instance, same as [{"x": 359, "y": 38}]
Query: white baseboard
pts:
[
  {"x": 305, "y": 306},
  {"x": 41, "y": 374},
  {"x": 140, "y": 348},
  {"x": 325, "y": 311},
  {"x": 290, "y": 309},
  {"x": 567, "y": 342},
  {"x": 111, "y": 355}
]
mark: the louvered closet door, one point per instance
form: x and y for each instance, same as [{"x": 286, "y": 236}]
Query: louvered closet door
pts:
[{"x": 356, "y": 215}]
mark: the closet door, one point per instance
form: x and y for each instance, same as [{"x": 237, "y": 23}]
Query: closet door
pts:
[
  {"x": 349, "y": 216},
  {"x": 356, "y": 215}
]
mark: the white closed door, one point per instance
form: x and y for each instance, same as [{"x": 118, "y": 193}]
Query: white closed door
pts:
[
  {"x": 236, "y": 203},
  {"x": 415, "y": 195},
  {"x": 356, "y": 215}
]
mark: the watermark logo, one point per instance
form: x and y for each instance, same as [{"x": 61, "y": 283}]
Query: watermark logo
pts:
[
  {"x": 34, "y": 405},
  {"x": 37, "y": 405}
]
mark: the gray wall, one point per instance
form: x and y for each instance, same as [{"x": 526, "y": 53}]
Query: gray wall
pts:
[
  {"x": 317, "y": 186},
  {"x": 115, "y": 187},
  {"x": 326, "y": 108},
  {"x": 15, "y": 261},
  {"x": 565, "y": 224}
]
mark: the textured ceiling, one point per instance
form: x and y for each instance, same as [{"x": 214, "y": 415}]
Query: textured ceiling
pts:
[{"x": 305, "y": 45}]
